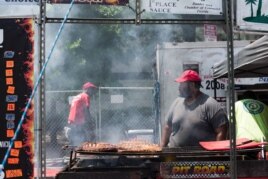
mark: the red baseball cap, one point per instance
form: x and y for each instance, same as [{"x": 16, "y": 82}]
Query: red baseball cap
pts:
[
  {"x": 188, "y": 75},
  {"x": 88, "y": 85}
]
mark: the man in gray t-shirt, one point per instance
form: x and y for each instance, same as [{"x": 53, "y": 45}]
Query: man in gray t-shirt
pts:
[{"x": 194, "y": 116}]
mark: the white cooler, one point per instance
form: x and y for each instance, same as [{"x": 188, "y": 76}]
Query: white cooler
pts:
[{"x": 143, "y": 134}]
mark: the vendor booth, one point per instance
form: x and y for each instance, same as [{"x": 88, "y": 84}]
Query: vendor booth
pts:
[
  {"x": 251, "y": 67},
  {"x": 251, "y": 61}
]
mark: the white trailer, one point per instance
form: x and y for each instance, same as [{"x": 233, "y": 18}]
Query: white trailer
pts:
[{"x": 173, "y": 58}]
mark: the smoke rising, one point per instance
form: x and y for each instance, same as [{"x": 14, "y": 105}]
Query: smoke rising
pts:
[{"x": 107, "y": 55}]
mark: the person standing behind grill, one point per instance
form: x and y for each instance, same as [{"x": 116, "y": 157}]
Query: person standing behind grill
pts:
[
  {"x": 80, "y": 120},
  {"x": 193, "y": 116}
]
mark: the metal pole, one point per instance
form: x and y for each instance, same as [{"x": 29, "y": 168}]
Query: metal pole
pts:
[
  {"x": 157, "y": 112},
  {"x": 99, "y": 126},
  {"x": 231, "y": 106},
  {"x": 215, "y": 88},
  {"x": 134, "y": 21},
  {"x": 41, "y": 111},
  {"x": 138, "y": 12}
]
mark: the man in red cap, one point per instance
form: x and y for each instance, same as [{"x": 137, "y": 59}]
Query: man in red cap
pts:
[
  {"x": 193, "y": 116},
  {"x": 81, "y": 123}
]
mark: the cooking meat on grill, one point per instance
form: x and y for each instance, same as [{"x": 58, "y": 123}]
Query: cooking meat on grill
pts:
[
  {"x": 138, "y": 146},
  {"x": 98, "y": 147},
  {"x": 124, "y": 146}
]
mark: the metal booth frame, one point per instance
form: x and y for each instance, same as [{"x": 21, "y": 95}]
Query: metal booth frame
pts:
[{"x": 42, "y": 20}]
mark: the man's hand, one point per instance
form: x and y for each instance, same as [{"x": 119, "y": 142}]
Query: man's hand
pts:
[
  {"x": 165, "y": 137},
  {"x": 221, "y": 132}
]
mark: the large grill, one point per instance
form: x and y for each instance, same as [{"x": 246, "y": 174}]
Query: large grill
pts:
[{"x": 140, "y": 165}]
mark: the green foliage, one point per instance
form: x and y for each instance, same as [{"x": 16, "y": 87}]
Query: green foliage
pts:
[
  {"x": 112, "y": 28},
  {"x": 75, "y": 44},
  {"x": 109, "y": 11},
  {"x": 93, "y": 52}
]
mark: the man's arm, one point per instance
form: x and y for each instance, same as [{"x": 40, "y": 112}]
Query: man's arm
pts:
[
  {"x": 165, "y": 137},
  {"x": 221, "y": 132}
]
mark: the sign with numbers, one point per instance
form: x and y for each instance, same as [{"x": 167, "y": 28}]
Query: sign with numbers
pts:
[{"x": 16, "y": 85}]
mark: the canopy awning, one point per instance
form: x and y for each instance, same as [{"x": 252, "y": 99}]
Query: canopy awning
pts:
[{"x": 251, "y": 61}]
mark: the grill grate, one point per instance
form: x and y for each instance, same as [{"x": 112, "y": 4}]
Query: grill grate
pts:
[
  {"x": 190, "y": 150},
  {"x": 113, "y": 159}
]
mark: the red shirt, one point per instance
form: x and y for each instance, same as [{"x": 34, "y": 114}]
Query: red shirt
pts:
[{"x": 79, "y": 105}]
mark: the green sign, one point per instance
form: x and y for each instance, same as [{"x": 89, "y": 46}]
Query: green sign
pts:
[{"x": 252, "y": 15}]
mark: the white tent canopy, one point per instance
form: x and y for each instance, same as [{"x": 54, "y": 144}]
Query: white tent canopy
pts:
[{"x": 251, "y": 61}]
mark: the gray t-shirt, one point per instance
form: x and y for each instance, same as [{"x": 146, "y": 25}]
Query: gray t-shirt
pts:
[{"x": 195, "y": 122}]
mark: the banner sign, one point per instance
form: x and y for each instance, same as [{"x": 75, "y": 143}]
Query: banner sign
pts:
[
  {"x": 201, "y": 169},
  {"x": 19, "y": 2},
  {"x": 199, "y": 7},
  {"x": 100, "y": 2},
  {"x": 252, "y": 15},
  {"x": 210, "y": 32},
  {"x": 16, "y": 85}
]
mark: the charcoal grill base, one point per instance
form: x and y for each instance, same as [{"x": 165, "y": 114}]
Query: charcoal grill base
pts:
[
  {"x": 140, "y": 166},
  {"x": 118, "y": 174}
]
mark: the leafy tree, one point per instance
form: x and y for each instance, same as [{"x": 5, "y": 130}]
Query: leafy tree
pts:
[{"x": 90, "y": 50}]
